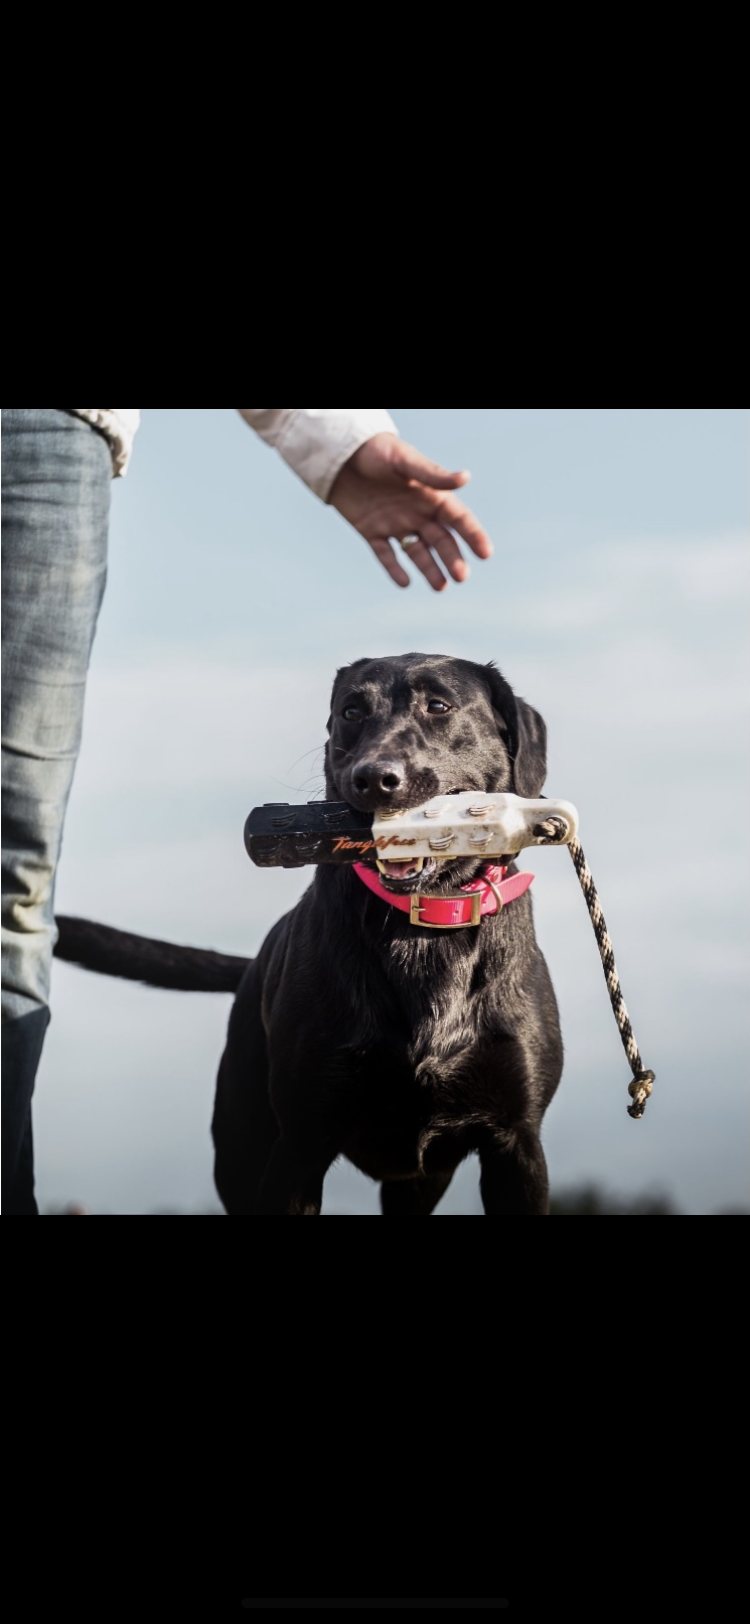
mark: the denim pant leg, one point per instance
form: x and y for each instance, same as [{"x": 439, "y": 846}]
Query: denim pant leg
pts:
[{"x": 56, "y": 479}]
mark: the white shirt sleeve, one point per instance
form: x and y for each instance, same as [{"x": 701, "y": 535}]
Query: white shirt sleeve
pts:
[
  {"x": 118, "y": 424},
  {"x": 317, "y": 441}
]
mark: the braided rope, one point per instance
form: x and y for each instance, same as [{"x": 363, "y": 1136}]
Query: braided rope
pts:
[{"x": 643, "y": 1081}]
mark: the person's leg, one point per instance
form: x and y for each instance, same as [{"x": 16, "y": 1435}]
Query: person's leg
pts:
[{"x": 56, "y": 478}]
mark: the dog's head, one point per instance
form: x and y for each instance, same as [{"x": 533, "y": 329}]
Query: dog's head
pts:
[{"x": 405, "y": 728}]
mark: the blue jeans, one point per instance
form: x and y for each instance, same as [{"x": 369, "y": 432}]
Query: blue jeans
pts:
[{"x": 56, "y": 478}]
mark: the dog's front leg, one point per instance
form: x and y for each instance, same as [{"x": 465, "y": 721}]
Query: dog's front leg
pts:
[
  {"x": 513, "y": 1179},
  {"x": 292, "y": 1184}
]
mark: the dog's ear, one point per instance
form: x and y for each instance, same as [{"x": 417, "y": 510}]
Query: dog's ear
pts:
[{"x": 524, "y": 732}]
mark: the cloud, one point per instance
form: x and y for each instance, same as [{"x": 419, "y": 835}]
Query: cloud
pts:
[
  {"x": 616, "y": 580},
  {"x": 713, "y": 570},
  {"x": 172, "y": 726}
]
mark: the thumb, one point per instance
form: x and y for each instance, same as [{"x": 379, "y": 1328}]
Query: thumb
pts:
[{"x": 410, "y": 464}]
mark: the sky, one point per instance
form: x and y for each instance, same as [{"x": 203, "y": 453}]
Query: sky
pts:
[{"x": 616, "y": 603}]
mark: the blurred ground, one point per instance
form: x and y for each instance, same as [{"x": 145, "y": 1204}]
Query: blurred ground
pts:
[{"x": 585, "y": 1201}]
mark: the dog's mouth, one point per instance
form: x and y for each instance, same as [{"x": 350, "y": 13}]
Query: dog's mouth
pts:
[
  {"x": 404, "y": 873},
  {"x": 401, "y": 873}
]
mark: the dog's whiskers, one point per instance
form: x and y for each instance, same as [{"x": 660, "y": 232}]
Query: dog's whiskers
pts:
[{"x": 304, "y": 756}]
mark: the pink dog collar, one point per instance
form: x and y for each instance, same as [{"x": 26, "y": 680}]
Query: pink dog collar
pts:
[{"x": 485, "y": 895}]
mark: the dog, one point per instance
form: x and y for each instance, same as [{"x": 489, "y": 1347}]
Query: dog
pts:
[{"x": 356, "y": 1032}]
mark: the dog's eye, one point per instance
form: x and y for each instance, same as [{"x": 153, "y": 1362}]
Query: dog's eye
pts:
[
  {"x": 351, "y": 713},
  {"x": 437, "y": 707}
]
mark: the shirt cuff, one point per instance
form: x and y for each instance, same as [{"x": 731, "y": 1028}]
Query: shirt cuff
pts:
[{"x": 317, "y": 441}]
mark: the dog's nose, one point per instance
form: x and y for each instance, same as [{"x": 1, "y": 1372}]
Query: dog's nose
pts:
[{"x": 378, "y": 780}]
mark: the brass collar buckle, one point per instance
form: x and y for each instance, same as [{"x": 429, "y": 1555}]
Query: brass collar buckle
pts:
[{"x": 457, "y": 896}]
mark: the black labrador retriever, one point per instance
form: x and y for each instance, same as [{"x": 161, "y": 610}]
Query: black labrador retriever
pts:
[{"x": 356, "y": 1032}]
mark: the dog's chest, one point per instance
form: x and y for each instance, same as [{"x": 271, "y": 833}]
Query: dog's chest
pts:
[{"x": 444, "y": 994}]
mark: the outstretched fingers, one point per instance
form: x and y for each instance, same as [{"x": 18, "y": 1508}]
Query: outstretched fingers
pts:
[
  {"x": 447, "y": 510},
  {"x": 388, "y": 557}
]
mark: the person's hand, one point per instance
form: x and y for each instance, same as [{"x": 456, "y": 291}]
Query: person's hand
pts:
[{"x": 389, "y": 490}]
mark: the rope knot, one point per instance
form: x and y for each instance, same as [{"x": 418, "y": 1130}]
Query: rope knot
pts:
[{"x": 639, "y": 1090}]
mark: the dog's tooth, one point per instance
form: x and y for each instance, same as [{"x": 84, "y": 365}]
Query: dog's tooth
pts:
[{"x": 416, "y": 862}]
